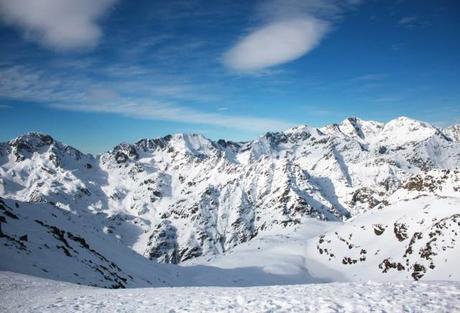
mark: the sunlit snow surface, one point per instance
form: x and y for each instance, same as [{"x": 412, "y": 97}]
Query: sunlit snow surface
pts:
[{"x": 20, "y": 293}]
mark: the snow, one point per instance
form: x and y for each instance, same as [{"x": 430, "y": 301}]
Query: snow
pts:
[
  {"x": 20, "y": 293},
  {"x": 403, "y": 130},
  {"x": 292, "y": 255},
  {"x": 419, "y": 235},
  {"x": 278, "y": 254}
]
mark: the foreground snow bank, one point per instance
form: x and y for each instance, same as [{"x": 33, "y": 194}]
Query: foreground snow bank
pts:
[{"x": 21, "y": 293}]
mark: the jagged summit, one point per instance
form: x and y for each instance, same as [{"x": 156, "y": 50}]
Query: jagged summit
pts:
[
  {"x": 33, "y": 139},
  {"x": 356, "y": 127},
  {"x": 23, "y": 147}
]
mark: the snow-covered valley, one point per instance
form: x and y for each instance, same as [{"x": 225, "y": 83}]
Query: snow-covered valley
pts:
[
  {"x": 299, "y": 220},
  {"x": 28, "y": 294}
]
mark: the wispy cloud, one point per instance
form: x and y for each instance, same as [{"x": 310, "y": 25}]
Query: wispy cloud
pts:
[
  {"x": 317, "y": 110},
  {"x": 408, "y": 21},
  {"x": 136, "y": 99},
  {"x": 289, "y": 30},
  {"x": 387, "y": 99},
  {"x": 369, "y": 77},
  {"x": 59, "y": 24},
  {"x": 23, "y": 83},
  {"x": 147, "y": 109},
  {"x": 28, "y": 83}
]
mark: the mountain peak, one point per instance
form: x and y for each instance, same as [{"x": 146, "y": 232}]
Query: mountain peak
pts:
[
  {"x": 351, "y": 126},
  {"x": 196, "y": 144},
  {"x": 403, "y": 129},
  {"x": 356, "y": 127},
  {"x": 29, "y": 143},
  {"x": 404, "y": 120},
  {"x": 34, "y": 139},
  {"x": 25, "y": 145},
  {"x": 352, "y": 120},
  {"x": 300, "y": 129}
]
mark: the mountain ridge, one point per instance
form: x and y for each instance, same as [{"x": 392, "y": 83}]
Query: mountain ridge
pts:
[
  {"x": 183, "y": 196},
  {"x": 451, "y": 132}
]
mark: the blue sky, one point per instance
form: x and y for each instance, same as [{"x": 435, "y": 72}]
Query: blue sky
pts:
[{"x": 94, "y": 73}]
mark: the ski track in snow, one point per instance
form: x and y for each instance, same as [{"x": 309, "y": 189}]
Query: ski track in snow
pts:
[{"x": 21, "y": 293}]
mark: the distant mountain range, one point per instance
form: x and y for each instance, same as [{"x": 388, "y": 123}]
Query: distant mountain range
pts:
[{"x": 112, "y": 218}]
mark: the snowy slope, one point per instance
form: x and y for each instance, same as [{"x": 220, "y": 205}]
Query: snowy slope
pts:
[
  {"x": 43, "y": 240},
  {"x": 20, "y": 293},
  {"x": 408, "y": 240},
  {"x": 183, "y": 196},
  {"x": 415, "y": 239}
]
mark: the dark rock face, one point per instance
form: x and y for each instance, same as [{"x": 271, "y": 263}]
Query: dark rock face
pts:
[
  {"x": 125, "y": 152},
  {"x": 387, "y": 265},
  {"x": 23, "y": 146},
  {"x": 418, "y": 271},
  {"x": 379, "y": 229},
  {"x": 162, "y": 245},
  {"x": 366, "y": 196},
  {"x": 153, "y": 144},
  {"x": 226, "y": 144},
  {"x": 276, "y": 139},
  {"x": 383, "y": 150},
  {"x": 354, "y": 122},
  {"x": 400, "y": 231}
]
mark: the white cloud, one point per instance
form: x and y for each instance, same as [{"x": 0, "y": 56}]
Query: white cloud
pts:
[
  {"x": 59, "y": 24},
  {"x": 288, "y": 30},
  {"x": 276, "y": 43}
]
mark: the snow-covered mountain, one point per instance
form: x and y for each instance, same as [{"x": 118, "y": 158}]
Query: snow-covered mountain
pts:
[{"x": 183, "y": 196}]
